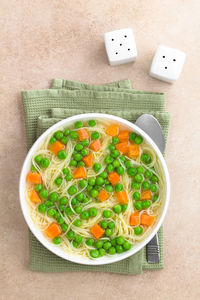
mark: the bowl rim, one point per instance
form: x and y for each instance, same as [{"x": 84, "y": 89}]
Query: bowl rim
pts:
[{"x": 57, "y": 250}]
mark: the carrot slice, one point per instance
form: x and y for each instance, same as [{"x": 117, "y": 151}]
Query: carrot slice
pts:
[
  {"x": 83, "y": 134},
  {"x": 122, "y": 197},
  {"x": 103, "y": 195},
  {"x": 146, "y": 195},
  {"x": 114, "y": 178},
  {"x": 147, "y": 220},
  {"x": 97, "y": 231},
  {"x": 79, "y": 173},
  {"x": 124, "y": 136},
  {"x": 134, "y": 219},
  {"x": 122, "y": 147},
  {"x": 53, "y": 230},
  {"x": 112, "y": 130},
  {"x": 56, "y": 147},
  {"x": 34, "y": 177},
  {"x": 95, "y": 146},
  {"x": 88, "y": 160},
  {"x": 133, "y": 151},
  {"x": 34, "y": 197}
]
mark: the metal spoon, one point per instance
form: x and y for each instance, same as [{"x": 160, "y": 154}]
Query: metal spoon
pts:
[{"x": 152, "y": 127}]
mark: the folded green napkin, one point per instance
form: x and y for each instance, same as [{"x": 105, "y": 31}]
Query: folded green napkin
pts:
[{"x": 66, "y": 98}]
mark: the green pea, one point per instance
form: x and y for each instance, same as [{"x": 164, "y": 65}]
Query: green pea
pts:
[
  {"x": 113, "y": 242},
  {"x": 103, "y": 174},
  {"x": 154, "y": 178},
  {"x": 78, "y": 124},
  {"x": 122, "y": 158},
  {"x": 89, "y": 242},
  {"x": 57, "y": 240},
  {"x": 42, "y": 208},
  {"x": 124, "y": 207},
  {"x": 140, "y": 170},
  {"x": 108, "y": 232},
  {"x": 86, "y": 200},
  {"x": 110, "y": 168},
  {"x": 132, "y": 136},
  {"x": 38, "y": 187},
  {"x": 43, "y": 194},
  {"x": 80, "y": 197},
  {"x": 120, "y": 170},
  {"x": 33, "y": 168},
  {"x": 107, "y": 245},
  {"x": 58, "y": 181},
  {"x": 119, "y": 249},
  {"x": 60, "y": 221},
  {"x": 89, "y": 188},
  {"x": 83, "y": 183},
  {"x": 62, "y": 154},
  {"x": 112, "y": 250},
  {"x": 52, "y": 140},
  {"x": 155, "y": 198},
  {"x": 145, "y": 185},
  {"x": 138, "y": 230},
  {"x": 146, "y": 204},
  {"x": 98, "y": 244},
  {"x": 70, "y": 234},
  {"x": 138, "y": 205},
  {"x": 111, "y": 147},
  {"x": 63, "y": 201},
  {"x": 91, "y": 181},
  {"x": 128, "y": 164},
  {"x": 74, "y": 201},
  {"x": 73, "y": 135},
  {"x": 107, "y": 181},
  {"x": 66, "y": 132},
  {"x": 120, "y": 240},
  {"x": 106, "y": 213},
  {"x": 78, "y": 147},
  {"x": 68, "y": 177},
  {"x": 115, "y": 140},
  {"x": 58, "y": 134},
  {"x": 92, "y": 212},
  {"x": 147, "y": 174},
  {"x": 93, "y": 193},
  {"x": 131, "y": 171},
  {"x": 116, "y": 163},
  {"x": 78, "y": 209},
  {"x": 57, "y": 215},
  {"x": 99, "y": 181},
  {"x": 138, "y": 140},
  {"x": 72, "y": 190},
  {"x": 65, "y": 140},
  {"x": 38, "y": 159},
  {"x": 94, "y": 253},
  {"x": 108, "y": 159},
  {"x": 79, "y": 239},
  {"x": 77, "y": 156},
  {"x": 117, "y": 209},
  {"x": 73, "y": 163},
  {"x": 138, "y": 178},
  {"x": 84, "y": 152},
  {"x": 48, "y": 203},
  {"x": 80, "y": 164},
  {"x": 92, "y": 123},
  {"x": 85, "y": 215},
  {"x": 114, "y": 153},
  {"x": 102, "y": 252},
  {"x": 85, "y": 143},
  {"x": 111, "y": 225},
  {"x": 68, "y": 211},
  {"x": 95, "y": 135},
  {"x": 75, "y": 244},
  {"x": 64, "y": 227},
  {"x": 136, "y": 196},
  {"x": 77, "y": 223},
  {"x": 97, "y": 167},
  {"x": 104, "y": 224},
  {"x": 66, "y": 171},
  {"x": 135, "y": 186},
  {"x": 145, "y": 157},
  {"x": 126, "y": 246},
  {"x": 118, "y": 187},
  {"x": 45, "y": 162}
]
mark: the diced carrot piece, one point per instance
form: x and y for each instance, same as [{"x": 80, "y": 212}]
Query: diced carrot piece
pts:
[
  {"x": 122, "y": 147},
  {"x": 79, "y": 173},
  {"x": 34, "y": 197},
  {"x": 97, "y": 231},
  {"x": 134, "y": 219},
  {"x": 83, "y": 134},
  {"x": 146, "y": 195},
  {"x": 53, "y": 230},
  {"x": 112, "y": 130},
  {"x": 124, "y": 136},
  {"x": 56, "y": 147},
  {"x": 114, "y": 178},
  {"x": 122, "y": 197},
  {"x": 133, "y": 151},
  {"x": 34, "y": 177},
  {"x": 88, "y": 160},
  {"x": 146, "y": 219},
  {"x": 103, "y": 195},
  {"x": 96, "y": 145}
]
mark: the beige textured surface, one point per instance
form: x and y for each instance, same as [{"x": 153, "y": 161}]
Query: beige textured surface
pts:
[{"x": 41, "y": 40}]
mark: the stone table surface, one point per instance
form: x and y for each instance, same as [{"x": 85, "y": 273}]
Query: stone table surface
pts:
[{"x": 42, "y": 40}]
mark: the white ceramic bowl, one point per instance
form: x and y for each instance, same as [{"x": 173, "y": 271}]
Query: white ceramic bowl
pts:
[{"x": 57, "y": 250}]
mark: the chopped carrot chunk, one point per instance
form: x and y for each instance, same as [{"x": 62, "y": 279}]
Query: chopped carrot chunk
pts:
[
  {"x": 79, "y": 173},
  {"x": 88, "y": 160},
  {"x": 122, "y": 147},
  {"x": 122, "y": 197},
  {"x": 114, "y": 178},
  {"x": 133, "y": 151},
  {"x": 124, "y": 136},
  {"x": 103, "y": 195},
  {"x": 96, "y": 145},
  {"x": 53, "y": 230},
  {"x": 112, "y": 130},
  {"x": 83, "y": 134},
  {"x": 134, "y": 219},
  {"x": 147, "y": 219},
  {"x": 34, "y": 197},
  {"x": 56, "y": 147},
  {"x": 146, "y": 195},
  {"x": 97, "y": 231},
  {"x": 34, "y": 177}
]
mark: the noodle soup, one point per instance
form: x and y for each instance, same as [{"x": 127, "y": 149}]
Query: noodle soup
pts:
[{"x": 95, "y": 188}]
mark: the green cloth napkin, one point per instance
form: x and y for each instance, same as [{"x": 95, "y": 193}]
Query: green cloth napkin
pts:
[{"x": 66, "y": 98}]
